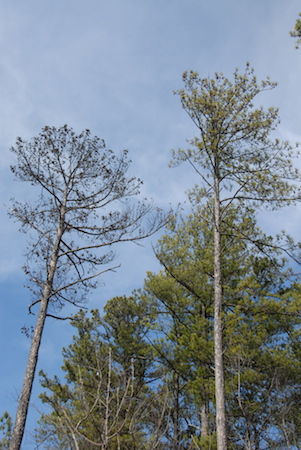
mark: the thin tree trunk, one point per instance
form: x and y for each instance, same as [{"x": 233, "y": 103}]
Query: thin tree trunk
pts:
[
  {"x": 204, "y": 420},
  {"x": 218, "y": 328},
  {"x": 108, "y": 399},
  {"x": 74, "y": 440},
  {"x": 24, "y": 399},
  {"x": 176, "y": 443},
  {"x": 205, "y": 405}
]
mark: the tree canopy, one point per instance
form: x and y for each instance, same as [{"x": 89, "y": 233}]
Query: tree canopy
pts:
[{"x": 163, "y": 336}]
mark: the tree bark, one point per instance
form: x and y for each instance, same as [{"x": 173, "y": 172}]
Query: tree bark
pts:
[
  {"x": 205, "y": 405},
  {"x": 204, "y": 420},
  {"x": 218, "y": 327},
  {"x": 176, "y": 444},
  {"x": 24, "y": 399}
]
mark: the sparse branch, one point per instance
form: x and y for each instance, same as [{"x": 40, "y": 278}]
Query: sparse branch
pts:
[
  {"x": 106, "y": 244},
  {"x": 82, "y": 280},
  {"x": 15, "y": 213},
  {"x": 60, "y": 318},
  {"x": 190, "y": 160},
  {"x": 33, "y": 304}
]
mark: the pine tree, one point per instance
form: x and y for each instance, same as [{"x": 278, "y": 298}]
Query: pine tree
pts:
[
  {"x": 107, "y": 400},
  {"x": 95, "y": 405},
  {"x": 74, "y": 225},
  {"x": 261, "y": 322},
  {"x": 238, "y": 164}
]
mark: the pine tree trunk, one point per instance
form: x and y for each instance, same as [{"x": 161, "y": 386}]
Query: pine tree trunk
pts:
[
  {"x": 24, "y": 399},
  {"x": 218, "y": 327},
  {"x": 204, "y": 420},
  {"x": 205, "y": 405},
  {"x": 176, "y": 444}
]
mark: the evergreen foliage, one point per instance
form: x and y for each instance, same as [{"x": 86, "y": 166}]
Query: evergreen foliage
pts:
[
  {"x": 5, "y": 430},
  {"x": 296, "y": 33},
  {"x": 166, "y": 330},
  {"x": 240, "y": 166}
]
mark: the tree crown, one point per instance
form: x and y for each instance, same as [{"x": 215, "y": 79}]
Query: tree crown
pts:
[{"x": 234, "y": 144}]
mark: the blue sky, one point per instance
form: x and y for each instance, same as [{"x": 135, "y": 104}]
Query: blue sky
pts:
[{"x": 111, "y": 67}]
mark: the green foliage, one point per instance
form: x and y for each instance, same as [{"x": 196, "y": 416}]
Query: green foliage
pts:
[
  {"x": 234, "y": 144},
  {"x": 241, "y": 168},
  {"x": 166, "y": 331},
  {"x": 127, "y": 322},
  {"x": 205, "y": 442},
  {"x": 261, "y": 326},
  {"x": 105, "y": 402},
  {"x": 5, "y": 430},
  {"x": 296, "y": 33}
]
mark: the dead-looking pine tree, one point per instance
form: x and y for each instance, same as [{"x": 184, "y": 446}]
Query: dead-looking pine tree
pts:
[{"x": 83, "y": 208}]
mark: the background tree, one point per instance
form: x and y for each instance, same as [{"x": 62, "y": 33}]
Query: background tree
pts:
[
  {"x": 83, "y": 209},
  {"x": 261, "y": 322},
  {"x": 103, "y": 403},
  {"x": 237, "y": 162},
  {"x": 127, "y": 323},
  {"x": 5, "y": 430},
  {"x": 168, "y": 343},
  {"x": 95, "y": 406}
]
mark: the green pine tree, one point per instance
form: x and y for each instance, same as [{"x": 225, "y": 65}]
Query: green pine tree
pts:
[
  {"x": 5, "y": 430},
  {"x": 238, "y": 164},
  {"x": 261, "y": 323}
]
